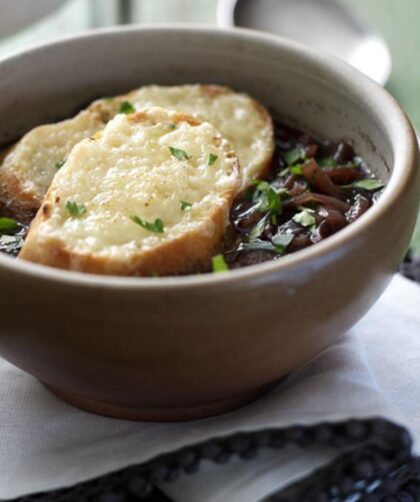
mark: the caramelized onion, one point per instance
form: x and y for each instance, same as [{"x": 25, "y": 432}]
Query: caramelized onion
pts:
[
  {"x": 289, "y": 182},
  {"x": 332, "y": 217},
  {"x": 319, "y": 181},
  {"x": 343, "y": 175},
  {"x": 316, "y": 198},
  {"x": 299, "y": 187},
  {"x": 300, "y": 242},
  {"x": 344, "y": 153}
]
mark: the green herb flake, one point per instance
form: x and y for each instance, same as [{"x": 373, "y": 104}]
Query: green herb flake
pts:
[
  {"x": 278, "y": 247},
  {"x": 212, "y": 159},
  {"x": 155, "y": 226},
  {"x": 368, "y": 184},
  {"x": 260, "y": 245},
  {"x": 172, "y": 127},
  {"x": 179, "y": 154},
  {"x": 11, "y": 243},
  {"x": 269, "y": 201},
  {"x": 282, "y": 240},
  {"x": 296, "y": 170},
  {"x": 7, "y": 239},
  {"x": 305, "y": 218},
  {"x": 293, "y": 156},
  {"x": 126, "y": 107},
  {"x": 59, "y": 164},
  {"x": 327, "y": 162},
  {"x": 154, "y": 274},
  {"x": 262, "y": 186},
  {"x": 219, "y": 264},
  {"x": 185, "y": 205},
  {"x": 75, "y": 210},
  {"x": 257, "y": 230},
  {"x": 273, "y": 201},
  {"x": 8, "y": 224}
]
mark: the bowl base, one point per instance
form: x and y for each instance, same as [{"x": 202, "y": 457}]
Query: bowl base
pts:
[{"x": 194, "y": 412}]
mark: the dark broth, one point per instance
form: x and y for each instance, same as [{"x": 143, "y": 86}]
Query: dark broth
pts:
[{"x": 312, "y": 190}]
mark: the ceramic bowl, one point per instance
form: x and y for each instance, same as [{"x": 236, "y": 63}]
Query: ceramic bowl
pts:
[{"x": 188, "y": 347}]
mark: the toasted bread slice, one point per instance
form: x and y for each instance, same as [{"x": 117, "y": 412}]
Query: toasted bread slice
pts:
[
  {"x": 28, "y": 169},
  {"x": 242, "y": 120},
  {"x": 150, "y": 194}
]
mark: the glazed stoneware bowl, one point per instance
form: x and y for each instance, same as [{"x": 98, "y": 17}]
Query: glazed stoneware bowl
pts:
[{"x": 188, "y": 347}]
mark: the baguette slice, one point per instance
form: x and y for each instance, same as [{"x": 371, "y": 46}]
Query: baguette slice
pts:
[
  {"x": 29, "y": 168},
  {"x": 162, "y": 170},
  {"x": 242, "y": 120}
]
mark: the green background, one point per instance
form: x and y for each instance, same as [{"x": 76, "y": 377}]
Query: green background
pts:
[{"x": 396, "y": 20}]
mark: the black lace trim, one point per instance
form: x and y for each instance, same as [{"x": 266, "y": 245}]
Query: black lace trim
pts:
[
  {"x": 377, "y": 465},
  {"x": 376, "y": 448}
]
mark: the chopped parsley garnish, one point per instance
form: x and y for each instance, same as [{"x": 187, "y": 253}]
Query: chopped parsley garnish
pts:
[
  {"x": 282, "y": 240},
  {"x": 273, "y": 201},
  {"x": 185, "y": 205},
  {"x": 267, "y": 198},
  {"x": 305, "y": 218},
  {"x": 260, "y": 245},
  {"x": 219, "y": 264},
  {"x": 261, "y": 185},
  {"x": 212, "y": 159},
  {"x": 126, "y": 107},
  {"x": 327, "y": 162},
  {"x": 75, "y": 210},
  {"x": 155, "y": 226},
  {"x": 296, "y": 170},
  {"x": 172, "y": 127},
  {"x": 179, "y": 154},
  {"x": 258, "y": 229},
  {"x": 11, "y": 243},
  {"x": 8, "y": 224},
  {"x": 59, "y": 164},
  {"x": 277, "y": 245},
  {"x": 368, "y": 184},
  {"x": 293, "y": 156}
]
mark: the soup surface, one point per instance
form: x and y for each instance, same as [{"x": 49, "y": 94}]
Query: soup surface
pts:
[{"x": 314, "y": 189}]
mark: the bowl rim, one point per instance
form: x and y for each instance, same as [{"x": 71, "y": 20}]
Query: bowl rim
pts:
[{"x": 402, "y": 139}]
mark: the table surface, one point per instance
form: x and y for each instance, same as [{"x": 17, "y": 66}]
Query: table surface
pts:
[{"x": 396, "y": 20}]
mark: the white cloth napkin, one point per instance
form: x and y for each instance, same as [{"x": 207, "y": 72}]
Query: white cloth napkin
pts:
[{"x": 372, "y": 371}]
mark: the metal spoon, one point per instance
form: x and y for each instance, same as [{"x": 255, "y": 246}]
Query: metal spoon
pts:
[{"x": 327, "y": 25}]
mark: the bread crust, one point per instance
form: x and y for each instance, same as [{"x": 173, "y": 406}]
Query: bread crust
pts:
[{"x": 190, "y": 252}]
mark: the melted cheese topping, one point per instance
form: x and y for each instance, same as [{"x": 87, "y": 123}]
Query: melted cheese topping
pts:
[
  {"x": 239, "y": 118},
  {"x": 129, "y": 170},
  {"x": 39, "y": 153}
]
